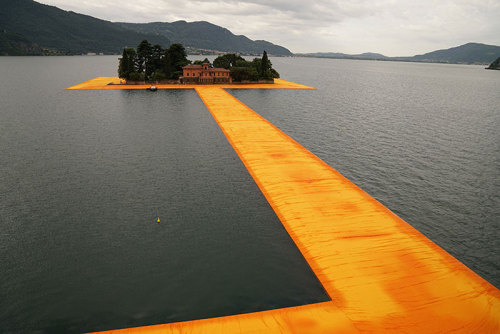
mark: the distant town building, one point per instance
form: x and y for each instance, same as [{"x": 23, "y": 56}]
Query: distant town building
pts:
[{"x": 204, "y": 74}]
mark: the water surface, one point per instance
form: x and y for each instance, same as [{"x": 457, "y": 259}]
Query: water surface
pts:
[
  {"x": 83, "y": 176},
  {"x": 423, "y": 139}
]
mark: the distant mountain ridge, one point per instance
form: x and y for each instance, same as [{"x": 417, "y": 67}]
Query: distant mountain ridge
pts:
[
  {"x": 30, "y": 28},
  {"x": 203, "y": 35},
  {"x": 467, "y": 53},
  {"x": 51, "y": 28},
  {"x": 470, "y": 53},
  {"x": 366, "y": 55}
]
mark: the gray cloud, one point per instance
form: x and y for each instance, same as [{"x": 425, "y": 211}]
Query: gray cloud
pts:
[{"x": 387, "y": 26}]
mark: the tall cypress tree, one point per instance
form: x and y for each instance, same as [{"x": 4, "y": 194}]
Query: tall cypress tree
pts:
[
  {"x": 122, "y": 66},
  {"x": 144, "y": 56},
  {"x": 127, "y": 63},
  {"x": 167, "y": 64},
  {"x": 156, "y": 58},
  {"x": 177, "y": 58},
  {"x": 265, "y": 67}
]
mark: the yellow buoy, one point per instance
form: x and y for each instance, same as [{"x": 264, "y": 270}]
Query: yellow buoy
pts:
[{"x": 158, "y": 220}]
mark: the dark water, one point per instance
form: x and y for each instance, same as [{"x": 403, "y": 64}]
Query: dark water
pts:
[
  {"x": 83, "y": 175},
  {"x": 423, "y": 139}
]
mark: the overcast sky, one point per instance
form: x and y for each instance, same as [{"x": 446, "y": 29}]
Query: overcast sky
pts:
[{"x": 390, "y": 27}]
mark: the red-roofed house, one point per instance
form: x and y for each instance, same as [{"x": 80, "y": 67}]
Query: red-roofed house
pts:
[{"x": 204, "y": 74}]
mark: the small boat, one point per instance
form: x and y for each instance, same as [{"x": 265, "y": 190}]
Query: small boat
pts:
[{"x": 152, "y": 89}]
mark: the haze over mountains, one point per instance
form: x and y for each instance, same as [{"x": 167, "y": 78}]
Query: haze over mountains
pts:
[{"x": 30, "y": 28}]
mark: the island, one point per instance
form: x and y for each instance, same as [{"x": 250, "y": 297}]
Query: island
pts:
[
  {"x": 151, "y": 64},
  {"x": 495, "y": 65}
]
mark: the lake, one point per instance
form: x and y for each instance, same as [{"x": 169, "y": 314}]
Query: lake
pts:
[{"x": 84, "y": 174}]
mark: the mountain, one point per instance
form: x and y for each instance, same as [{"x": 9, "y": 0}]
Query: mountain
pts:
[
  {"x": 366, "y": 55},
  {"x": 30, "y": 28},
  {"x": 17, "y": 45},
  {"x": 207, "y": 36},
  {"x": 470, "y": 53},
  {"x": 28, "y": 25}
]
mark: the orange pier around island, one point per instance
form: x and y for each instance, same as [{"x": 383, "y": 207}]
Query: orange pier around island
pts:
[
  {"x": 117, "y": 83},
  {"x": 381, "y": 274}
]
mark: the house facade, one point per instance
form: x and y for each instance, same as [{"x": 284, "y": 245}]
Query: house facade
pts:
[{"x": 204, "y": 74}]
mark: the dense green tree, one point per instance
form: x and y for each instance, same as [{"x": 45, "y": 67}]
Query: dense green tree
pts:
[
  {"x": 123, "y": 71},
  {"x": 243, "y": 63},
  {"x": 257, "y": 64},
  {"x": 495, "y": 65},
  {"x": 135, "y": 76},
  {"x": 265, "y": 67},
  {"x": 157, "y": 55},
  {"x": 200, "y": 62},
  {"x": 144, "y": 59},
  {"x": 227, "y": 61},
  {"x": 244, "y": 73},
  {"x": 177, "y": 58},
  {"x": 127, "y": 64},
  {"x": 152, "y": 63},
  {"x": 167, "y": 64},
  {"x": 241, "y": 69},
  {"x": 275, "y": 73}
]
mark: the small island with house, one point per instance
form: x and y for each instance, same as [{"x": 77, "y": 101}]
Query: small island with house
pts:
[{"x": 151, "y": 64}]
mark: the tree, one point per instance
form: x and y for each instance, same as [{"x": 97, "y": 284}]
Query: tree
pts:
[
  {"x": 241, "y": 69},
  {"x": 257, "y": 64},
  {"x": 123, "y": 71},
  {"x": 265, "y": 67},
  {"x": 144, "y": 57},
  {"x": 227, "y": 61},
  {"x": 127, "y": 63},
  {"x": 495, "y": 65},
  {"x": 200, "y": 62},
  {"x": 244, "y": 73},
  {"x": 176, "y": 58},
  {"x": 242, "y": 63},
  {"x": 157, "y": 53}
]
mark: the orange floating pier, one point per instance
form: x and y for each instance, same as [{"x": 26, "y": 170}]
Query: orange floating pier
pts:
[
  {"x": 117, "y": 83},
  {"x": 381, "y": 274}
]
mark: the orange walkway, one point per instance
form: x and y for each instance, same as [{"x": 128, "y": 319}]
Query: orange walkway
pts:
[
  {"x": 117, "y": 83},
  {"x": 382, "y": 275}
]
